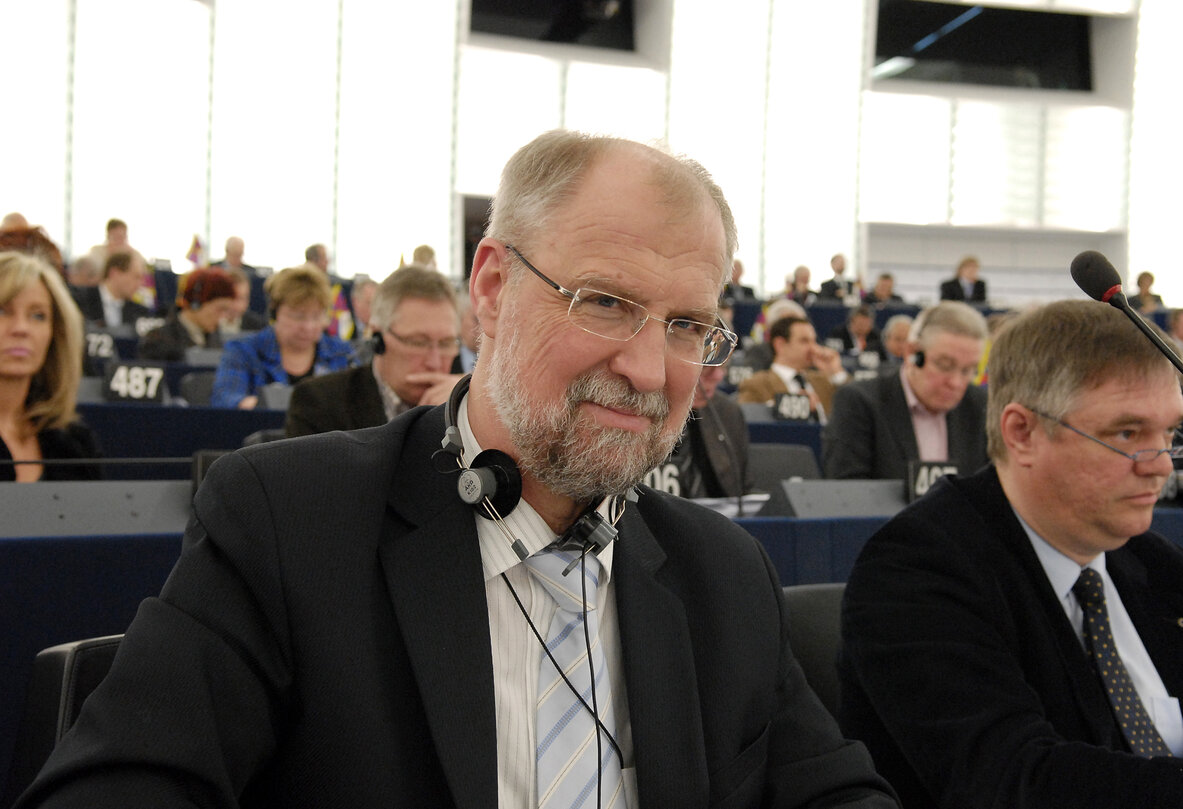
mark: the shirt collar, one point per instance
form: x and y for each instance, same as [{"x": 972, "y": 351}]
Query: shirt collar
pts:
[
  {"x": 391, "y": 402},
  {"x": 1061, "y": 571},
  {"x": 522, "y": 523}
]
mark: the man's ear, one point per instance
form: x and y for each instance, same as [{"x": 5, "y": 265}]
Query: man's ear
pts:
[
  {"x": 489, "y": 280},
  {"x": 1018, "y": 425}
]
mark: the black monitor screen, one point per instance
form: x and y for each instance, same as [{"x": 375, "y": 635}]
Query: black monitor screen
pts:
[
  {"x": 598, "y": 23},
  {"x": 948, "y": 42}
]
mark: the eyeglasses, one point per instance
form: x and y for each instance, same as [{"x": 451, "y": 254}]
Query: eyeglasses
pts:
[
  {"x": 615, "y": 318},
  {"x": 422, "y": 345},
  {"x": 948, "y": 366},
  {"x": 1141, "y": 456},
  {"x": 300, "y": 317}
]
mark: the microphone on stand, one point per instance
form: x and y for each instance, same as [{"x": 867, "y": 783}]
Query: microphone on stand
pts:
[{"x": 1094, "y": 274}]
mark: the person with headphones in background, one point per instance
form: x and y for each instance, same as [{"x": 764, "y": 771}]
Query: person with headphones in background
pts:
[
  {"x": 205, "y": 299},
  {"x": 927, "y": 410},
  {"x": 416, "y": 337},
  {"x": 503, "y": 617}
]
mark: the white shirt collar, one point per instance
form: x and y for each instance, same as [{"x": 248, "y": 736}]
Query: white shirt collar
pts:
[{"x": 1061, "y": 571}]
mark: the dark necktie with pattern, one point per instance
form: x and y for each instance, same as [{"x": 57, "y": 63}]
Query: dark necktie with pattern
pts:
[
  {"x": 1131, "y": 716},
  {"x": 803, "y": 383}
]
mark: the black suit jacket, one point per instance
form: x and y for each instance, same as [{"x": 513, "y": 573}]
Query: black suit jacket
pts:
[
  {"x": 343, "y": 400},
  {"x": 324, "y": 642},
  {"x": 962, "y": 673},
  {"x": 951, "y": 291},
  {"x": 90, "y": 303},
  {"x": 829, "y": 289},
  {"x": 170, "y": 340},
  {"x": 869, "y": 433},
  {"x": 73, "y": 441},
  {"x": 724, "y": 434}
]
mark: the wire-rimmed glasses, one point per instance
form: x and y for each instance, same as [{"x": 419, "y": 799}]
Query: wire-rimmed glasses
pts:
[
  {"x": 423, "y": 345},
  {"x": 615, "y": 318},
  {"x": 1140, "y": 456}
]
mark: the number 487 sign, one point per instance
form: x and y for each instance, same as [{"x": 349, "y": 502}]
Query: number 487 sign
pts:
[{"x": 134, "y": 382}]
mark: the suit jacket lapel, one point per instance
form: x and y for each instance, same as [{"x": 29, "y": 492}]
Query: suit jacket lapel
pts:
[
  {"x": 436, "y": 583},
  {"x": 898, "y": 419},
  {"x": 1155, "y": 605},
  {"x": 668, "y": 746},
  {"x": 371, "y": 411},
  {"x": 1084, "y": 683}
]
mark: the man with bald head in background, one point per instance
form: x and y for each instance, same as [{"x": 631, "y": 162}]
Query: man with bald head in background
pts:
[{"x": 235, "y": 249}]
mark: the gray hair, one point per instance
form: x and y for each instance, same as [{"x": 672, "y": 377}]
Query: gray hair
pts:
[
  {"x": 1048, "y": 357},
  {"x": 948, "y": 317},
  {"x": 545, "y": 173},
  {"x": 409, "y": 281}
]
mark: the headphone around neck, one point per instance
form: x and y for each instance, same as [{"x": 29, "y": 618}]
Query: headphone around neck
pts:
[{"x": 492, "y": 484}]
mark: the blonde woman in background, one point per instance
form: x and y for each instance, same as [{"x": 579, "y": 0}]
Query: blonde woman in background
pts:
[{"x": 40, "y": 366}]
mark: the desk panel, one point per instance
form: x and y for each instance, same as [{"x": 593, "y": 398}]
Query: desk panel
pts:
[
  {"x": 153, "y": 431},
  {"x": 58, "y": 589},
  {"x": 787, "y": 432}
]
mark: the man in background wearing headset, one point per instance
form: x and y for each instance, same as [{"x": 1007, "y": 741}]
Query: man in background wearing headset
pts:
[
  {"x": 925, "y": 411},
  {"x": 416, "y": 337},
  {"x": 343, "y": 630}
]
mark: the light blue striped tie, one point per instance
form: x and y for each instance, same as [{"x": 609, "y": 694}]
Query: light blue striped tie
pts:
[{"x": 569, "y": 773}]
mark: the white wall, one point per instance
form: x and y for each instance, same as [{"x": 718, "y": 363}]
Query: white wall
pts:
[{"x": 359, "y": 124}]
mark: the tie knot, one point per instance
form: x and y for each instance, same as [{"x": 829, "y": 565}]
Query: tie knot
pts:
[
  {"x": 1089, "y": 588},
  {"x": 547, "y": 566}
]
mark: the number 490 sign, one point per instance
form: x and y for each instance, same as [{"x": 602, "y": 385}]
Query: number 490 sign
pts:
[{"x": 134, "y": 382}]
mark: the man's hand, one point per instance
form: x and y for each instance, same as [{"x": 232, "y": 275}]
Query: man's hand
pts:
[
  {"x": 826, "y": 360},
  {"x": 439, "y": 386}
]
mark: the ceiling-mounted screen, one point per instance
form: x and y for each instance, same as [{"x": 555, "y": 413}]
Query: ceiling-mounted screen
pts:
[
  {"x": 597, "y": 23},
  {"x": 974, "y": 44}
]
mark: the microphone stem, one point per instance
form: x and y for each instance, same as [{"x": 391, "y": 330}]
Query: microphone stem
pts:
[{"x": 1120, "y": 302}]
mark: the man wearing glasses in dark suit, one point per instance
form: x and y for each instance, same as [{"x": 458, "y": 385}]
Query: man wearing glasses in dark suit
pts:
[{"x": 344, "y": 630}]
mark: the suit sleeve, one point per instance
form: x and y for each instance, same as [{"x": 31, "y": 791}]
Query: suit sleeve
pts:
[
  {"x": 754, "y": 389},
  {"x": 930, "y": 651},
  {"x": 191, "y": 709},
  {"x": 848, "y": 440}
]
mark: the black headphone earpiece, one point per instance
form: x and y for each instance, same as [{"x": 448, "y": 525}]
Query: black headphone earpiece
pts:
[
  {"x": 491, "y": 476},
  {"x": 378, "y": 343},
  {"x": 492, "y": 483},
  {"x": 918, "y": 359}
]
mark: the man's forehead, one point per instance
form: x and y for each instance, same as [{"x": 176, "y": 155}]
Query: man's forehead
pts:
[{"x": 950, "y": 343}]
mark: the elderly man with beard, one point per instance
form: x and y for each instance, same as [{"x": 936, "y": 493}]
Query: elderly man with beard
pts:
[{"x": 342, "y": 629}]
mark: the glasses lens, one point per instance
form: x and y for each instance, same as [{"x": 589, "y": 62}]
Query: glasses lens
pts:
[{"x": 606, "y": 315}]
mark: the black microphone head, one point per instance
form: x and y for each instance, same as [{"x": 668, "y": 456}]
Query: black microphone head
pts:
[{"x": 1093, "y": 273}]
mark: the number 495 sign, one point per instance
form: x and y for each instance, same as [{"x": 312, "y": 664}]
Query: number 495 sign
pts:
[{"x": 134, "y": 382}]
